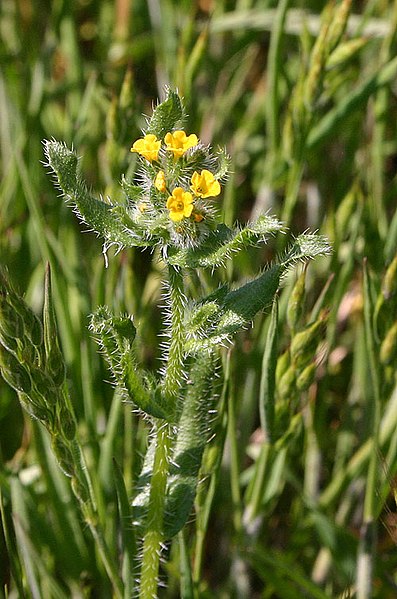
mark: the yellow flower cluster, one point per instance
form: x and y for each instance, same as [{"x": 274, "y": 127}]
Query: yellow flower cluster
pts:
[
  {"x": 180, "y": 202},
  {"x": 177, "y": 143}
]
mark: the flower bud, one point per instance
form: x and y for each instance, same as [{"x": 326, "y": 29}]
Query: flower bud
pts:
[{"x": 124, "y": 328}]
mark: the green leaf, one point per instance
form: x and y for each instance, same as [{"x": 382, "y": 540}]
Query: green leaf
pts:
[
  {"x": 218, "y": 317},
  {"x": 193, "y": 433},
  {"x": 167, "y": 116},
  {"x": 116, "y": 336},
  {"x": 109, "y": 221},
  {"x": 223, "y": 242},
  {"x": 223, "y": 316},
  {"x": 268, "y": 377},
  {"x": 305, "y": 247}
]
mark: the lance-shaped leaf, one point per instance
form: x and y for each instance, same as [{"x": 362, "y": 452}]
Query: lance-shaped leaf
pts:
[
  {"x": 110, "y": 221},
  {"x": 140, "y": 502},
  {"x": 220, "y": 315},
  {"x": 216, "y": 319},
  {"x": 167, "y": 116},
  {"x": 194, "y": 430},
  {"x": 221, "y": 243},
  {"x": 305, "y": 247}
]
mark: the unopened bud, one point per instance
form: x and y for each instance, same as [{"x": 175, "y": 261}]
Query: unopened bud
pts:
[{"x": 124, "y": 327}]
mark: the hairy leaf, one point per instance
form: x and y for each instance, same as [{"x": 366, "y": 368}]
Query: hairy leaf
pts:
[
  {"x": 110, "y": 222},
  {"x": 167, "y": 116},
  {"x": 221, "y": 243}
]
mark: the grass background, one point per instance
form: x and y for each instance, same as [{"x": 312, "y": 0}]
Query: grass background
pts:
[{"x": 312, "y": 137}]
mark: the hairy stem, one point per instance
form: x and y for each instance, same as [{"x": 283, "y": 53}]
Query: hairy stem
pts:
[
  {"x": 154, "y": 536},
  {"x": 174, "y": 369}
]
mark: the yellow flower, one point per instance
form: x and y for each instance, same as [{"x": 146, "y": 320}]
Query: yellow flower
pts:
[
  {"x": 160, "y": 182},
  {"x": 205, "y": 185},
  {"x": 147, "y": 146},
  {"x": 180, "y": 204},
  {"x": 178, "y": 143}
]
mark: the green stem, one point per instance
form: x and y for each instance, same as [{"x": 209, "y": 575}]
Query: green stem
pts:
[
  {"x": 85, "y": 494},
  {"x": 106, "y": 556},
  {"x": 292, "y": 191},
  {"x": 274, "y": 66},
  {"x": 154, "y": 537},
  {"x": 205, "y": 495},
  {"x": 174, "y": 369},
  {"x": 366, "y": 549}
]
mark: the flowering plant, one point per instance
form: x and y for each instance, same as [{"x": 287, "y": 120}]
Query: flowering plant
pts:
[{"x": 173, "y": 206}]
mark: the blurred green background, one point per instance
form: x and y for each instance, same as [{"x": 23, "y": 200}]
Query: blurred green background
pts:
[{"x": 303, "y": 96}]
